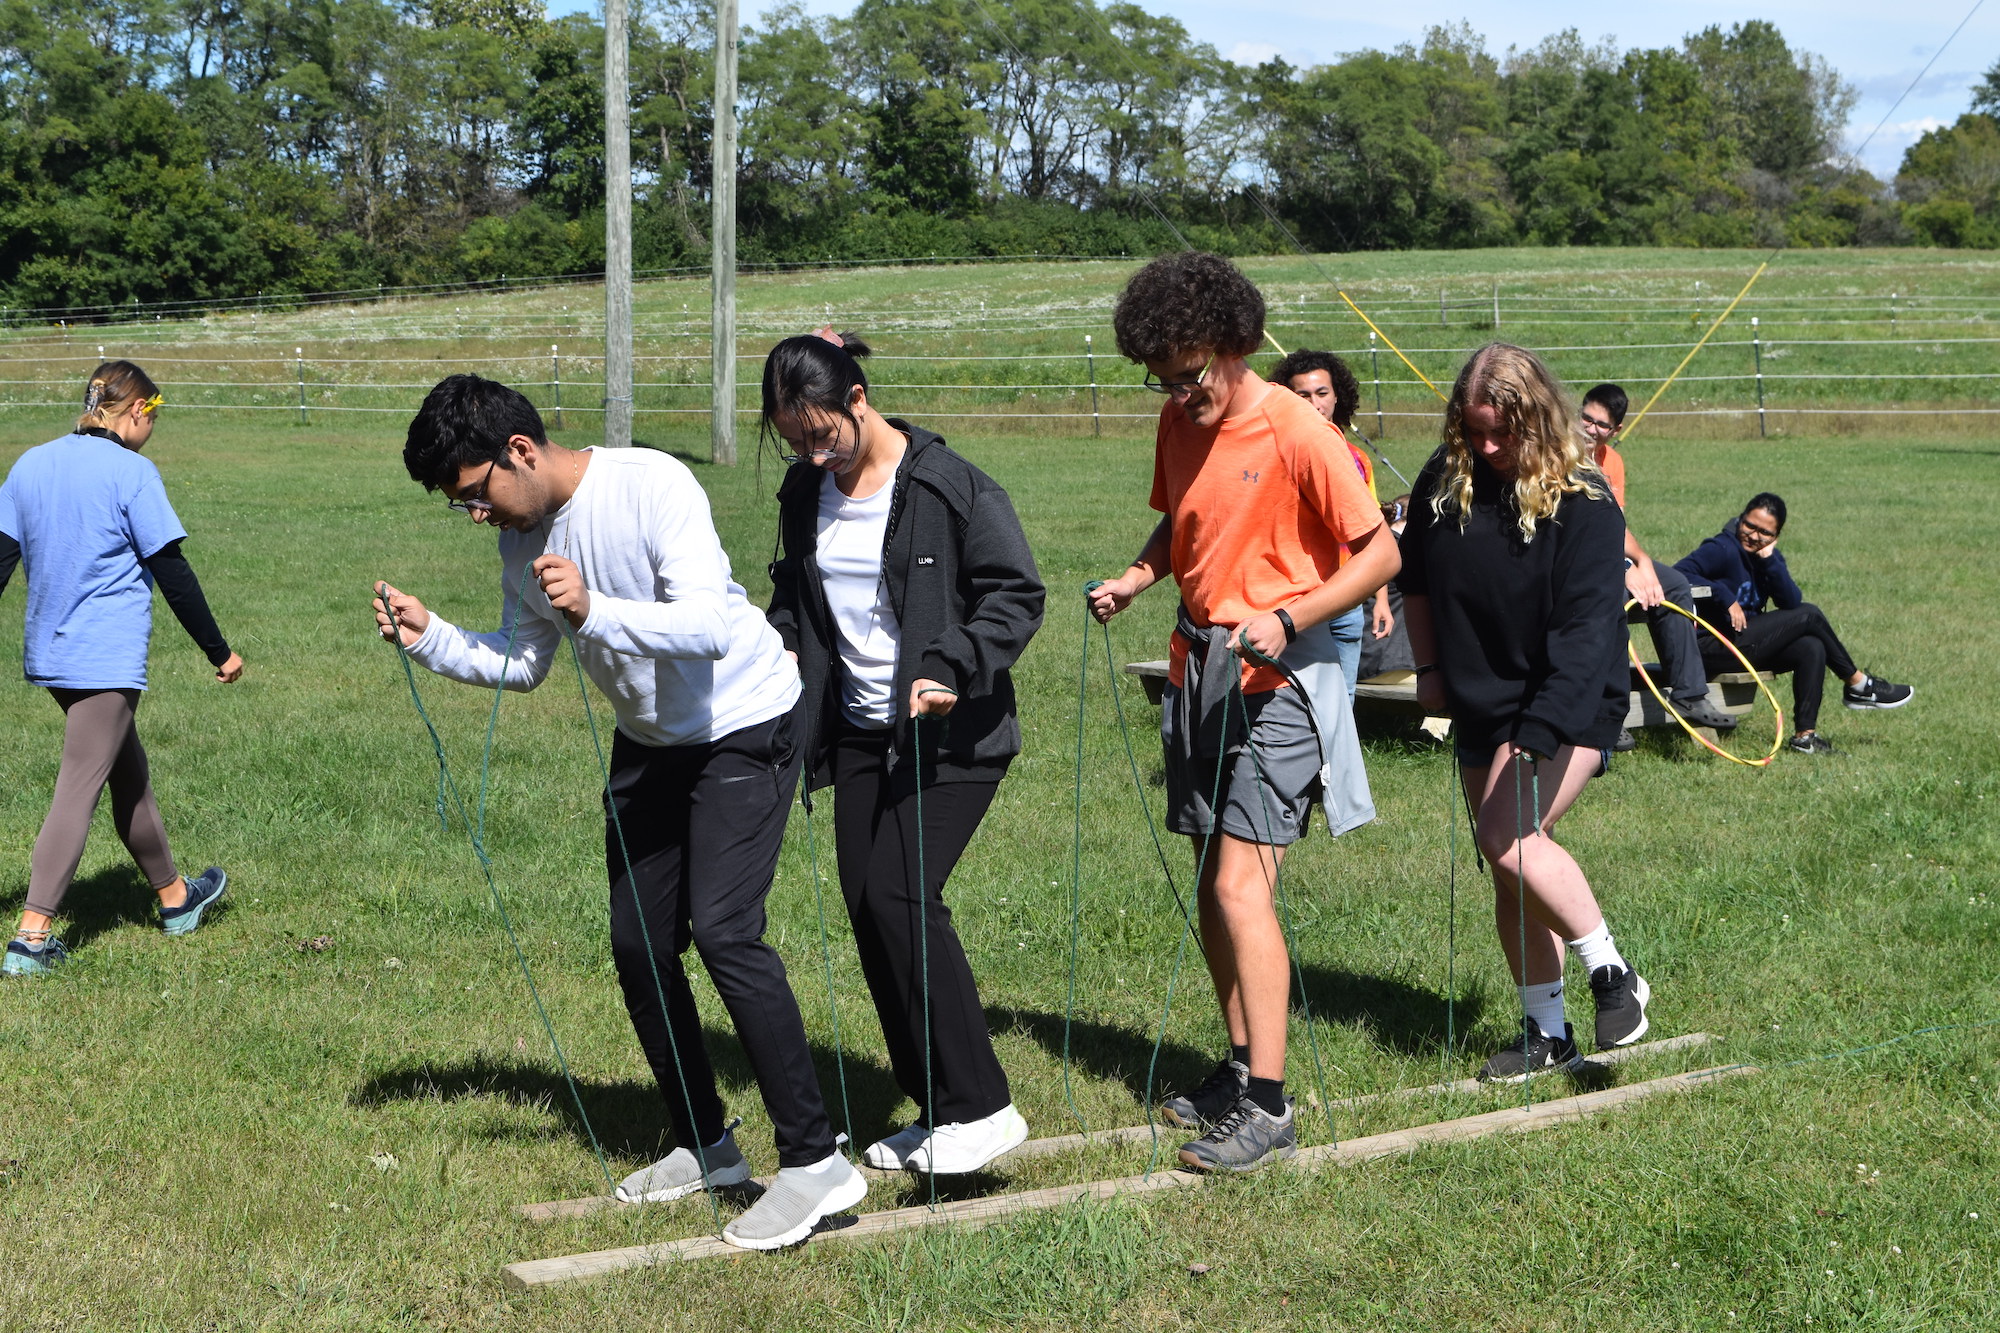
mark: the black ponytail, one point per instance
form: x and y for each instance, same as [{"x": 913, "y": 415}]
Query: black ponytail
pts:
[{"x": 810, "y": 375}]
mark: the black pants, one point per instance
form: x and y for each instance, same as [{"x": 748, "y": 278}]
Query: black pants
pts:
[
  {"x": 703, "y": 825},
  {"x": 1676, "y": 639},
  {"x": 875, "y": 834},
  {"x": 1799, "y": 641}
]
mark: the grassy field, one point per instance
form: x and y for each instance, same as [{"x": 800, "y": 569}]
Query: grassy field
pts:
[
  {"x": 238, "y": 1131},
  {"x": 1000, "y": 348}
]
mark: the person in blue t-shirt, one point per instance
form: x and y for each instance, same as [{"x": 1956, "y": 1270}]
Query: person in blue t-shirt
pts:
[
  {"x": 1742, "y": 564},
  {"x": 87, "y": 518}
]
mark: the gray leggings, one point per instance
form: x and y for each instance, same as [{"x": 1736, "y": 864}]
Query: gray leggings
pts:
[{"x": 100, "y": 746}]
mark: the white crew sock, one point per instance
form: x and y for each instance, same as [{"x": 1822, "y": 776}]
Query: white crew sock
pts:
[
  {"x": 1544, "y": 1004},
  {"x": 832, "y": 1161},
  {"x": 1597, "y": 950}
]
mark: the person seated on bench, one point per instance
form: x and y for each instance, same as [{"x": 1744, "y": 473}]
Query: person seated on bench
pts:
[
  {"x": 1388, "y": 648},
  {"x": 1743, "y": 565},
  {"x": 1653, "y": 584},
  {"x": 1329, "y": 387}
]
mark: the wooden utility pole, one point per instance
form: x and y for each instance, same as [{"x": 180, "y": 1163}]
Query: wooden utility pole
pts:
[
  {"x": 722, "y": 238},
  {"x": 617, "y": 231}
]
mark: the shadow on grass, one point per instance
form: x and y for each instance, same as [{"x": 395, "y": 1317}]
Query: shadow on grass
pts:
[
  {"x": 1105, "y": 1051},
  {"x": 629, "y": 1116},
  {"x": 99, "y": 903},
  {"x": 1396, "y": 1015}
]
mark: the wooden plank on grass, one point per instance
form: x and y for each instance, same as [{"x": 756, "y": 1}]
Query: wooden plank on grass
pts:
[
  {"x": 978, "y": 1212},
  {"x": 563, "y": 1209}
]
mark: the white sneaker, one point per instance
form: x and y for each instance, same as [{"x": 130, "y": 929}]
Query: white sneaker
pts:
[
  {"x": 893, "y": 1153},
  {"x": 961, "y": 1149},
  {"x": 795, "y": 1204},
  {"x": 679, "y": 1173}
]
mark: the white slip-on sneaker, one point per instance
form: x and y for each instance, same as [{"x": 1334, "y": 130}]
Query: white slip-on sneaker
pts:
[
  {"x": 797, "y": 1201},
  {"x": 893, "y": 1153},
  {"x": 961, "y": 1149}
]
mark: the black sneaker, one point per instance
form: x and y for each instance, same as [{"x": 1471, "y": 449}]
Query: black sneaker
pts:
[
  {"x": 1535, "y": 1053},
  {"x": 1703, "y": 713},
  {"x": 1626, "y": 742},
  {"x": 1244, "y": 1138},
  {"x": 1621, "y": 996},
  {"x": 1209, "y": 1103},
  {"x": 1873, "y": 693},
  {"x": 1809, "y": 742}
]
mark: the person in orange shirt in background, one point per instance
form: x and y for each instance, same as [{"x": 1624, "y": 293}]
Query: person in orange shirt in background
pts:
[
  {"x": 1325, "y": 382},
  {"x": 1654, "y": 584},
  {"x": 1257, "y": 498}
]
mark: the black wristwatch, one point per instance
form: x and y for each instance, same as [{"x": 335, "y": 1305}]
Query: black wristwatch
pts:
[{"x": 1285, "y": 619}]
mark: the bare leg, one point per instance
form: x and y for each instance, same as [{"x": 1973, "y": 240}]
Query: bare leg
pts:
[
  {"x": 1558, "y": 902},
  {"x": 1245, "y": 947}
]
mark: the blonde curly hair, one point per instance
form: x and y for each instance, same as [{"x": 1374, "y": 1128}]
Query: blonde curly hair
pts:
[{"x": 1551, "y": 460}]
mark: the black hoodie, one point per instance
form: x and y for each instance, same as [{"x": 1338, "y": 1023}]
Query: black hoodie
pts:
[
  {"x": 963, "y": 584},
  {"x": 1531, "y": 635}
]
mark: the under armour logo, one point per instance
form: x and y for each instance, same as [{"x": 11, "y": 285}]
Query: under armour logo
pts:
[
  {"x": 927, "y": 560},
  {"x": 1250, "y": 476}
]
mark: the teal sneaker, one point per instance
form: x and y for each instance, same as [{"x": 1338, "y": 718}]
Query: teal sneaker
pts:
[
  {"x": 204, "y": 891},
  {"x": 25, "y": 960}
]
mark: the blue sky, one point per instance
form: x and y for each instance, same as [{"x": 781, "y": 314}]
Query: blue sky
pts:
[{"x": 1879, "y": 48}]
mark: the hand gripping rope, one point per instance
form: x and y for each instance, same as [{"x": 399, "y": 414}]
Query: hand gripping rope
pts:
[{"x": 1763, "y": 686}]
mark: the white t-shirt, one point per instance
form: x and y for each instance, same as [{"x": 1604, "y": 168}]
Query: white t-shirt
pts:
[
  {"x": 851, "y": 535},
  {"x": 671, "y": 639}
]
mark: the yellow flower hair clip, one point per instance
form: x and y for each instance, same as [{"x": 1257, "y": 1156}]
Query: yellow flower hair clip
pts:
[{"x": 153, "y": 404}]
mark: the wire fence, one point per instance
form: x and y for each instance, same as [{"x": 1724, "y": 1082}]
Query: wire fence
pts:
[{"x": 1052, "y": 367}]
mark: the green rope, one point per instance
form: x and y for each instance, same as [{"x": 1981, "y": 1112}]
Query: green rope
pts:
[
  {"x": 1452, "y": 793},
  {"x": 826, "y": 956},
  {"x": 1278, "y": 895},
  {"x": 448, "y": 784},
  {"x": 1187, "y": 924},
  {"x": 1076, "y": 865},
  {"x": 645, "y": 931},
  {"x": 924, "y": 955}
]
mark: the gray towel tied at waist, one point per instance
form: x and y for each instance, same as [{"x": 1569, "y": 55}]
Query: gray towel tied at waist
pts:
[{"x": 1209, "y": 674}]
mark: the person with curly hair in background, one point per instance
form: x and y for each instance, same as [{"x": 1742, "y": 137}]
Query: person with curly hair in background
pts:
[
  {"x": 1325, "y": 382},
  {"x": 1514, "y": 593},
  {"x": 1258, "y": 497}
]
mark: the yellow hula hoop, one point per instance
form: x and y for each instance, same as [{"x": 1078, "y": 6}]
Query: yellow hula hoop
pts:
[{"x": 1763, "y": 686}]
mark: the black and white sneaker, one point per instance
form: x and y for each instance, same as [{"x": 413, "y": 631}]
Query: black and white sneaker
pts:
[
  {"x": 1626, "y": 742},
  {"x": 1874, "y": 693},
  {"x": 1809, "y": 742},
  {"x": 1208, "y": 1103},
  {"x": 1621, "y": 996},
  {"x": 1535, "y": 1053}
]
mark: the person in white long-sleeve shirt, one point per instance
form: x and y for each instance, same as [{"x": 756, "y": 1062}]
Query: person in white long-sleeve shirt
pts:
[{"x": 617, "y": 549}]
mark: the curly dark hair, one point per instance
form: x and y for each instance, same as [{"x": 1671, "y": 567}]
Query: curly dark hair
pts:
[
  {"x": 1188, "y": 302},
  {"x": 466, "y": 421},
  {"x": 1346, "y": 389}
]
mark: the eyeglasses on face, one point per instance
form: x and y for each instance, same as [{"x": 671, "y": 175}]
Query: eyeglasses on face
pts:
[
  {"x": 479, "y": 504},
  {"x": 1763, "y": 534},
  {"x": 1598, "y": 424},
  {"x": 1180, "y": 388},
  {"x": 819, "y": 442}
]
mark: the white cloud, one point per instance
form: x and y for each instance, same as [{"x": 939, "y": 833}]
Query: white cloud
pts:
[{"x": 1256, "y": 53}]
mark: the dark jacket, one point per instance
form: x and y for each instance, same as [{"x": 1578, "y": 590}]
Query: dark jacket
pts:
[
  {"x": 1531, "y": 635},
  {"x": 1739, "y": 577},
  {"x": 963, "y": 585}
]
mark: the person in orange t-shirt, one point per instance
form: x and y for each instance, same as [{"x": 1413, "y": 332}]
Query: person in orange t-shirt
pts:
[{"x": 1258, "y": 497}]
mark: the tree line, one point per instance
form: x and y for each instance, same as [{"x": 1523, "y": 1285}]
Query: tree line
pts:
[{"x": 193, "y": 149}]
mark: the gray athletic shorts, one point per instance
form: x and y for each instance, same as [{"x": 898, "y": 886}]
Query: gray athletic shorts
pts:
[{"x": 1266, "y": 797}]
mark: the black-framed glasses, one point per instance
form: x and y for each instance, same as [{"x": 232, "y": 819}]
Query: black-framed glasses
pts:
[
  {"x": 1594, "y": 424},
  {"x": 1180, "y": 388},
  {"x": 1764, "y": 534},
  {"x": 821, "y": 442},
  {"x": 481, "y": 505}
]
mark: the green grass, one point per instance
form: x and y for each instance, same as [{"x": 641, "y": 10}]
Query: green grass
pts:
[
  {"x": 1835, "y": 324},
  {"x": 189, "y": 1124}
]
